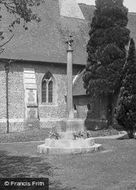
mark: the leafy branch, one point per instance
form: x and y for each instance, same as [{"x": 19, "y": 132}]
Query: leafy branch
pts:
[{"x": 22, "y": 10}]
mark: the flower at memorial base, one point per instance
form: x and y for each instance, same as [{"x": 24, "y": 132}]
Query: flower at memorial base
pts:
[
  {"x": 54, "y": 135},
  {"x": 82, "y": 134}
]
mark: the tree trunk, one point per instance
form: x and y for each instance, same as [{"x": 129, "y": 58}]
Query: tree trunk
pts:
[
  {"x": 130, "y": 133},
  {"x": 110, "y": 110}
]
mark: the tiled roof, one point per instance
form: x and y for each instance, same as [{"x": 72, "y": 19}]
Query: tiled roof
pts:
[{"x": 45, "y": 41}]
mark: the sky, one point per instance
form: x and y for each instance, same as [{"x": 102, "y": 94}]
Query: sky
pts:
[{"x": 130, "y": 4}]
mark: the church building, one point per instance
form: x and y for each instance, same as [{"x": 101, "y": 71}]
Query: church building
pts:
[{"x": 33, "y": 65}]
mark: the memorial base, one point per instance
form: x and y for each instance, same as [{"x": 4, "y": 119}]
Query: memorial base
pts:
[
  {"x": 74, "y": 125},
  {"x": 67, "y": 144}
]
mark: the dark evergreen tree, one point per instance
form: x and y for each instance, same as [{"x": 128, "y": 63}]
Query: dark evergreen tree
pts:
[
  {"x": 106, "y": 50},
  {"x": 126, "y": 110},
  {"x": 22, "y": 11}
]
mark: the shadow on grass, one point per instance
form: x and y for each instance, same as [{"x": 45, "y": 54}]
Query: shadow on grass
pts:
[
  {"x": 24, "y": 167},
  {"x": 125, "y": 137}
]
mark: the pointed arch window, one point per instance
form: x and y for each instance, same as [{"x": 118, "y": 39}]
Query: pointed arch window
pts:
[
  {"x": 50, "y": 91},
  {"x": 44, "y": 91},
  {"x": 47, "y": 88}
]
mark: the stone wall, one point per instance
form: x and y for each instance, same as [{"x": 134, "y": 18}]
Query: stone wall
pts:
[
  {"x": 16, "y": 92},
  {"x": 16, "y": 98},
  {"x": 81, "y": 105},
  {"x": 58, "y": 108},
  {"x": 96, "y": 116},
  {"x": 50, "y": 115}
]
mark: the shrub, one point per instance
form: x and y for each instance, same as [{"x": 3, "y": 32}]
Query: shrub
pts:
[{"x": 126, "y": 110}]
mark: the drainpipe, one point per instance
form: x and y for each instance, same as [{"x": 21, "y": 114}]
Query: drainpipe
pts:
[{"x": 7, "y": 96}]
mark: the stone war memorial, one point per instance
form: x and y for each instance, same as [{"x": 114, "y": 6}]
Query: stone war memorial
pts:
[{"x": 65, "y": 141}]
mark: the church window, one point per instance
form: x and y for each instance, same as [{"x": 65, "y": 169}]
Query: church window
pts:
[
  {"x": 50, "y": 91},
  {"x": 47, "y": 88},
  {"x": 44, "y": 83}
]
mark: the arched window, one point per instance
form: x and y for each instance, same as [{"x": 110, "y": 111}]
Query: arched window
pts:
[
  {"x": 44, "y": 83},
  {"x": 50, "y": 91},
  {"x": 47, "y": 88}
]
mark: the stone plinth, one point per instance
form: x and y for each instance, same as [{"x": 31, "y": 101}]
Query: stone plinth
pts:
[
  {"x": 73, "y": 125},
  {"x": 68, "y": 146}
]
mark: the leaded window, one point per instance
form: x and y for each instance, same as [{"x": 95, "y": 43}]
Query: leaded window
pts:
[{"x": 47, "y": 88}]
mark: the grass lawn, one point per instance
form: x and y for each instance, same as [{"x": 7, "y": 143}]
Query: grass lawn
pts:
[
  {"x": 111, "y": 169},
  {"x": 41, "y": 134},
  {"x": 25, "y": 136}
]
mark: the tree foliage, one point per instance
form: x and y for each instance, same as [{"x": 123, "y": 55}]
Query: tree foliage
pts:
[
  {"x": 22, "y": 11},
  {"x": 106, "y": 47},
  {"x": 126, "y": 111}
]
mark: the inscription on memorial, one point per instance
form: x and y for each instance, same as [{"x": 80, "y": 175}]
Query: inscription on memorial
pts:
[{"x": 31, "y": 97}]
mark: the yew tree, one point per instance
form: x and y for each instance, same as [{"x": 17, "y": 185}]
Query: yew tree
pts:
[
  {"x": 22, "y": 11},
  {"x": 106, "y": 50},
  {"x": 126, "y": 110}
]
